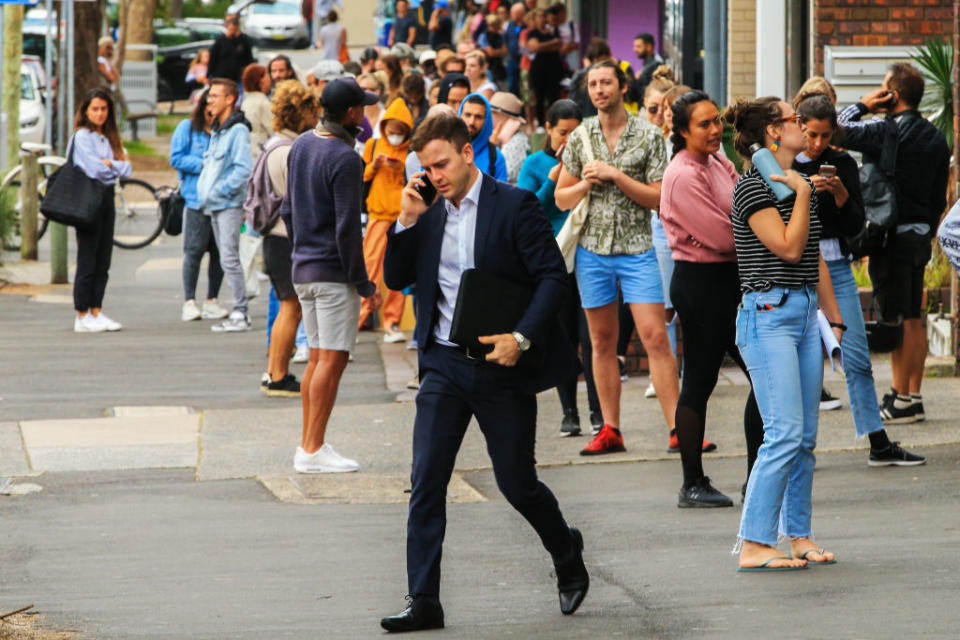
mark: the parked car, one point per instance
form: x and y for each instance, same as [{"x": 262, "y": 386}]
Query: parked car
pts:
[
  {"x": 32, "y": 114},
  {"x": 172, "y": 65},
  {"x": 276, "y": 25}
]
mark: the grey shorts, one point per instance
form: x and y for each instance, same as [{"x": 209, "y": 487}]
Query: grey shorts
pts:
[{"x": 331, "y": 311}]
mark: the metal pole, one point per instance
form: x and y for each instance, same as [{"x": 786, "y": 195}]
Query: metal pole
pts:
[
  {"x": 712, "y": 53},
  {"x": 58, "y": 232},
  {"x": 28, "y": 205},
  {"x": 62, "y": 119},
  {"x": 48, "y": 72}
]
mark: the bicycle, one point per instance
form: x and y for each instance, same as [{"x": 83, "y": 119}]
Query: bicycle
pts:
[{"x": 139, "y": 214}]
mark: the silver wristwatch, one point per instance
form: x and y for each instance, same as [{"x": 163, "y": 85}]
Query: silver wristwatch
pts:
[{"x": 522, "y": 341}]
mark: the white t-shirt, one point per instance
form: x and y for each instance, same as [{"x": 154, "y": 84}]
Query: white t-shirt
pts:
[
  {"x": 330, "y": 35},
  {"x": 570, "y": 32}
]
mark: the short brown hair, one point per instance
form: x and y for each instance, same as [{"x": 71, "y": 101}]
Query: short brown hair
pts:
[
  {"x": 229, "y": 85},
  {"x": 252, "y": 77},
  {"x": 454, "y": 59},
  {"x": 613, "y": 66},
  {"x": 294, "y": 107},
  {"x": 413, "y": 85},
  {"x": 441, "y": 127},
  {"x": 907, "y": 82}
]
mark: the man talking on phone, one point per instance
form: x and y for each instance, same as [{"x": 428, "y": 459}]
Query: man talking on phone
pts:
[
  {"x": 922, "y": 165},
  {"x": 477, "y": 222}
]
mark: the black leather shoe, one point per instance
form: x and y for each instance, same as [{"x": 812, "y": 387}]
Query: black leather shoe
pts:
[
  {"x": 702, "y": 495},
  {"x": 572, "y": 577},
  {"x": 422, "y": 612}
]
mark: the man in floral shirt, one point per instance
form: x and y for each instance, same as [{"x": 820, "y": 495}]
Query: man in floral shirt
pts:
[{"x": 621, "y": 171}]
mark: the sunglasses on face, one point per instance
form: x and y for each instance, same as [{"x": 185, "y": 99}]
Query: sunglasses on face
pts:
[{"x": 652, "y": 109}]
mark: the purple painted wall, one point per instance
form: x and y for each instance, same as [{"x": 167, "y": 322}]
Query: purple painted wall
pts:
[{"x": 627, "y": 18}]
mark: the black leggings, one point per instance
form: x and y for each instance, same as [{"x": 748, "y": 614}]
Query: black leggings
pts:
[
  {"x": 94, "y": 251},
  {"x": 706, "y": 296},
  {"x": 575, "y": 323}
]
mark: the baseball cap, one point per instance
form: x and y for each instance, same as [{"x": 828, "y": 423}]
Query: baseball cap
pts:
[
  {"x": 403, "y": 50},
  {"x": 327, "y": 70},
  {"x": 428, "y": 55},
  {"x": 342, "y": 93},
  {"x": 369, "y": 54}
]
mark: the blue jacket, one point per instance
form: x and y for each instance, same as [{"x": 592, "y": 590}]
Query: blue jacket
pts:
[
  {"x": 227, "y": 165},
  {"x": 186, "y": 156},
  {"x": 535, "y": 177},
  {"x": 513, "y": 240},
  {"x": 480, "y": 143}
]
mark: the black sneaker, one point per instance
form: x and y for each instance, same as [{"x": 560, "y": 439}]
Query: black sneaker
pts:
[
  {"x": 703, "y": 496},
  {"x": 897, "y": 409},
  {"x": 917, "y": 401},
  {"x": 622, "y": 362},
  {"x": 286, "y": 387},
  {"x": 894, "y": 456},
  {"x": 570, "y": 425},
  {"x": 596, "y": 421},
  {"x": 828, "y": 402}
]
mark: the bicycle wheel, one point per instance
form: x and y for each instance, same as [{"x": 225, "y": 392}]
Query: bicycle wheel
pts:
[
  {"x": 139, "y": 218},
  {"x": 11, "y": 182}
]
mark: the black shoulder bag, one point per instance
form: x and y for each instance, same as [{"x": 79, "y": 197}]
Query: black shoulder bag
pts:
[
  {"x": 73, "y": 198},
  {"x": 171, "y": 206},
  {"x": 879, "y": 188}
]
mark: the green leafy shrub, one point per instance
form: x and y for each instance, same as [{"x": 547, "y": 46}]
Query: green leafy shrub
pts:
[{"x": 935, "y": 59}]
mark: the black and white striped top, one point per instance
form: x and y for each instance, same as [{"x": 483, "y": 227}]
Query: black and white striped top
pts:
[{"x": 759, "y": 267}]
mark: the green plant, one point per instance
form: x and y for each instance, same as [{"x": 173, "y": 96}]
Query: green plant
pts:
[
  {"x": 166, "y": 124},
  {"x": 198, "y": 9},
  {"x": 138, "y": 148},
  {"x": 938, "y": 271},
  {"x": 9, "y": 216},
  {"x": 935, "y": 59}
]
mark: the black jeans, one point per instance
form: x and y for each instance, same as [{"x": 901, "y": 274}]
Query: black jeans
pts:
[
  {"x": 197, "y": 240},
  {"x": 546, "y": 89},
  {"x": 94, "y": 251},
  {"x": 706, "y": 296},
  {"x": 575, "y": 322}
]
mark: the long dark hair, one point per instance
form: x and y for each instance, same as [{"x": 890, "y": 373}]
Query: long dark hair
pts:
[
  {"x": 198, "y": 118},
  {"x": 109, "y": 130},
  {"x": 682, "y": 108}
]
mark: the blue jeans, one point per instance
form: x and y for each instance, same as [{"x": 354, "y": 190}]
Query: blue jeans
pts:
[
  {"x": 665, "y": 262},
  {"x": 856, "y": 355},
  {"x": 778, "y": 337},
  {"x": 273, "y": 309}
]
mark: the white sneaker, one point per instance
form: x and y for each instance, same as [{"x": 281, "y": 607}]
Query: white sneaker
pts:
[
  {"x": 213, "y": 311},
  {"x": 302, "y": 354},
  {"x": 86, "y": 324},
  {"x": 107, "y": 323},
  {"x": 235, "y": 322},
  {"x": 190, "y": 311},
  {"x": 650, "y": 392},
  {"x": 323, "y": 460},
  {"x": 393, "y": 335}
]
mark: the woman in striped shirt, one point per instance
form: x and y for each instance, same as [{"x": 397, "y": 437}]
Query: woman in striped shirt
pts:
[{"x": 779, "y": 265}]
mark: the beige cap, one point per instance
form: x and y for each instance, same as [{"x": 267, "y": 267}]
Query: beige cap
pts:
[{"x": 507, "y": 104}]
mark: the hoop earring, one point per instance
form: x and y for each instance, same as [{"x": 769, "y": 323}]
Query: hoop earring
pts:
[{"x": 775, "y": 145}]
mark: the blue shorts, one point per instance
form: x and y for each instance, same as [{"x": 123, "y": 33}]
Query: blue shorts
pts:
[{"x": 598, "y": 276}]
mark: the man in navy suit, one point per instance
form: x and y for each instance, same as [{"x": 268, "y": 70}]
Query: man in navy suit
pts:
[{"x": 477, "y": 222}]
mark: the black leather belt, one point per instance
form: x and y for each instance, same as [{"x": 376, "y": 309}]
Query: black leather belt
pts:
[{"x": 466, "y": 352}]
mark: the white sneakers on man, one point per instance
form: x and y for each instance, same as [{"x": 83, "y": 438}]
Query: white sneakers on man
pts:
[
  {"x": 393, "y": 335},
  {"x": 323, "y": 460},
  {"x": 236, "y": 321},
  {"x": 302, "y": 354},
  {"x": 89, "y": 323},
  {"x": 190, "y": 311}
]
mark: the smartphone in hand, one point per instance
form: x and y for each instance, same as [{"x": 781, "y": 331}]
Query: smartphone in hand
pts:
[
  {"x": 428, "y": 192},
  {"x": 828, "y": 170}
]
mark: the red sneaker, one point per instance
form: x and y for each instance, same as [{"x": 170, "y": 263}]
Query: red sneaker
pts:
[
  {"x": 674, "y": 444},
  {"x": 608, "y": 440}
]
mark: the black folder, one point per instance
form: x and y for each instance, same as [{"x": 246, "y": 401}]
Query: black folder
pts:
[{"x": 488, "y": 305}]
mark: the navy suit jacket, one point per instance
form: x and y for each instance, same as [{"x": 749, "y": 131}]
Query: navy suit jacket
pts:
[{"x": 513, "y": 240}]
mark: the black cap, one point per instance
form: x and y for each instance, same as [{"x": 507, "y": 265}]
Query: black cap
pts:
[{"x": 343, "y": 93}]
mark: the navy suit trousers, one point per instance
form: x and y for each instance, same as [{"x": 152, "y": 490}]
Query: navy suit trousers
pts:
[{"x": 453, "y": 389}]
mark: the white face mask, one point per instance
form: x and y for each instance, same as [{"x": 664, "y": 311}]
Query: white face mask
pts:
[{"x": 396, "y": 140}]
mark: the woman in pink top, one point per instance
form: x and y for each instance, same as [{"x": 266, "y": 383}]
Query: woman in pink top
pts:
[{"x": 695, "y": 202}]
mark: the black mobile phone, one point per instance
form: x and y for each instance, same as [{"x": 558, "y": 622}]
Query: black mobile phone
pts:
[
  {"x": 828, "y": 170},
  {"x": 428, "y": 192},
  {"x": 891, "y": 98}
]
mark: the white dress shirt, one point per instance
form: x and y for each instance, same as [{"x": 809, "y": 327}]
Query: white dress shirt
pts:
[{"x": 456, "y": 255}]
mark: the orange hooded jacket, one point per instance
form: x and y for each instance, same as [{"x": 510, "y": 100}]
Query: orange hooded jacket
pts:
[{"x": 383, "y": 201}]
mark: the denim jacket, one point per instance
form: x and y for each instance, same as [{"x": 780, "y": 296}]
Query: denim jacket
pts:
[
  {"x": 186, "y": 156},
  {"x": 227, "y": 165}
]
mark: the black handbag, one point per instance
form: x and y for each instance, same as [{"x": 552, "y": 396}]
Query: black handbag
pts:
[
  {"x": 72, "y": 198},
  {"x": 879, "y": 188},
  {"x": 172, "y": 208}
]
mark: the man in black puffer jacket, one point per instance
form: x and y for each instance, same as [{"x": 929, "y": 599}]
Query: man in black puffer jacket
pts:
[{"x": 922, "y": 166}]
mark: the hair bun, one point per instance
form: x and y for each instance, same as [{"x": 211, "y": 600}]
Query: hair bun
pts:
[{"x": 663, "y": 72}]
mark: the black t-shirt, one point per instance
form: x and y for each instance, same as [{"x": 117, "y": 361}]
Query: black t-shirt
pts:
[
  {"x": 444, "y": 32},
  {"x": 760, "y": 268},
  {"x": 547, "y": 62},
  {"x": 401, "y": 28},
  {"x": 230, "y": 56},
  {"x": 837, "y": 221},
  {"x": 495, "y": 41}
]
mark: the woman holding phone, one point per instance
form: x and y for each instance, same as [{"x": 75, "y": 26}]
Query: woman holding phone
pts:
[{"x": 836, "y": 182}]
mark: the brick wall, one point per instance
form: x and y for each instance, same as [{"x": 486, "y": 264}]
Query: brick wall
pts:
[
  {"x": 880, "y": 23},
  {"x": 742, "y": 46}
]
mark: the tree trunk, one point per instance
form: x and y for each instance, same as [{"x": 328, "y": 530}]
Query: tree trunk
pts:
[
  {"x": 12, "y": 50},
  {"x": 88, "y": 20},
  {"x": 176, "y": 9},
  {"x": 140, "y": 27},
  {"x": 123, "y": 16}
]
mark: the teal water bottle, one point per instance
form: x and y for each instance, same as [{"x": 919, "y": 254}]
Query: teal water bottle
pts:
[{"x": 767, "y": 165}]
